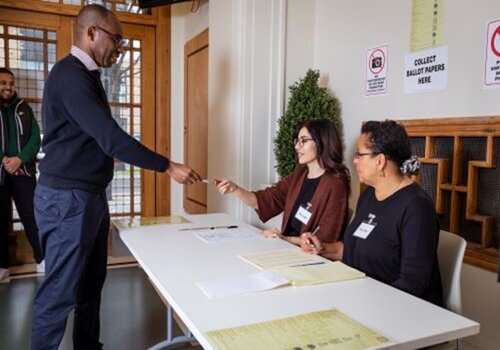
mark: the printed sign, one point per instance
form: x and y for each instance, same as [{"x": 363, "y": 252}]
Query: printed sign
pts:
[
  {"x": 426, "y": 70},
  {"x": 492, "y": 61},
  {"x": 376, "y": 71}
]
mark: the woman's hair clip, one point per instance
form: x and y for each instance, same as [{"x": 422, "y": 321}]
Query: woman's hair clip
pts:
[{"x": 410, "y": 166}]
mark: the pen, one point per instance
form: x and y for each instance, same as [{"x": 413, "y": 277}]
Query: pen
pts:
[
  {"x": 309, "y": 264},
  {"x": 316, "y": 230},
  {"x": 309, "y": 242},
  {"x": 206, "y": 228}
]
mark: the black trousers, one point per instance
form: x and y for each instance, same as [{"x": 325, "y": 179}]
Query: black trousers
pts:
[{"x": 21, "y": 189}]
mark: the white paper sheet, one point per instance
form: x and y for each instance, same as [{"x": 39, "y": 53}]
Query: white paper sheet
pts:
[
  {"x": 220, "y": 235},
  {"x": 260, "y": 281}
]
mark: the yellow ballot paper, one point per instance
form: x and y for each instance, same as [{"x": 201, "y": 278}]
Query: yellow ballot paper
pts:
[
  {"x": 308, "y": 274},
  {"x": 282, "y": 257},
  {"x": 328, "y": 329},
  {"x": 150, "y": 220}
]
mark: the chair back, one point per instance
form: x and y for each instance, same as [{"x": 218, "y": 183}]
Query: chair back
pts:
[{"x": 451, "y": 250}]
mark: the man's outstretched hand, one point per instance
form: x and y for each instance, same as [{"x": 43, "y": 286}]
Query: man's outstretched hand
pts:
[{"x": 182, "y": 173}]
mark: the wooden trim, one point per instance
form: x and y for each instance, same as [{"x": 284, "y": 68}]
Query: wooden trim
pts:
[
  {"x": 483, "y": 258},
  {"x": 162, "y": 120},
  {"x": 29, "y": 18},
  {"x": 199, "y": 42},
  {"x": 64, "y": 41},
  {"x": 72, "y": 10},
  {"x": 469, "y": 126},
  {"x": 148, "y": 138},
  {"x": 442, "y": 170}
]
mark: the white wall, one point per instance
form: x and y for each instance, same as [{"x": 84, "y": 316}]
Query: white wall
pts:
[
  {"x": 184, "y": 26},
  {"x": 300, "y": 39},
  {"x": 246, "y": 69}
]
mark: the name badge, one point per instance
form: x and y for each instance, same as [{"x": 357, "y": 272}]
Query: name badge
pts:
[
  {"x": 303, "y": 214},
  {"x": 364, "y": 230},
  {"x": 366, "y": 227}
]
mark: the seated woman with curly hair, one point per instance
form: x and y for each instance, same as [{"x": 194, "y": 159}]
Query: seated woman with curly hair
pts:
[{"x": 394, "y": 234}]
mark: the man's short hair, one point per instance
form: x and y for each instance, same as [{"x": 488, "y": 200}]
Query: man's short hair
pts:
[
  {"x": 90, "y": 15},
  {"x": 7, "y": 71}
]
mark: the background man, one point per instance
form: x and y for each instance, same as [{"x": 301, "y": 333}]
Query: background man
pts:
[{"x": 19, "y": 145}]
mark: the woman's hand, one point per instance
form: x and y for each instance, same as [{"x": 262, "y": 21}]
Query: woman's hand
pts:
[
  {"x": 225, "y": 186},
  {"x": 310, "y": 243},
  {"x": 271, "y": 233}
]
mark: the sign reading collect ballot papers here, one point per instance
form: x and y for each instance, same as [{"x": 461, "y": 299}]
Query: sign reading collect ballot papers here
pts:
[{"x": 426, "y": 70}]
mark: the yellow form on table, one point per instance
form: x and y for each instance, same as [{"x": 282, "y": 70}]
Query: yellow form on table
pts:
[
  {"x": 309, "y": 274},
  {"x": 327, "y": 329}
]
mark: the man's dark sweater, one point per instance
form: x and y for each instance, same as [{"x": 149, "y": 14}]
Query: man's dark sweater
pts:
[{"x": 81, "y": 138}]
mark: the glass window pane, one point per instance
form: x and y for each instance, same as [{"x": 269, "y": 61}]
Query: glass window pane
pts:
[
  {"x": 26, "y": 32},
  {"x": 26, "y": 54},
  {"x": 51, "y": 35},
  {"x": 130, "y": 6},
  {"x": 73, "y": 2},
  {"x": 2, "y": 53},
  {"x": 51, "y": 48}
]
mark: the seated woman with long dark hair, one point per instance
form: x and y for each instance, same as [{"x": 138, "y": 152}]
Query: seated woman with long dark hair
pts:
[
  {"x": 314, "y": 197},
  {"x": 394, "y": 234}
]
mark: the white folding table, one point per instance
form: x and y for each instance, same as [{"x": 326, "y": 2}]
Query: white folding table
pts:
[{"x": 175, "y": 260}]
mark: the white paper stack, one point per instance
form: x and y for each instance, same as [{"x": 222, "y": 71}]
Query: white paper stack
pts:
[{"x": 260, "y": 281}]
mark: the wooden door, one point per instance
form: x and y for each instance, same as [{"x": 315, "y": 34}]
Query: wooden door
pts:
[{"x": 196, "y": 119}]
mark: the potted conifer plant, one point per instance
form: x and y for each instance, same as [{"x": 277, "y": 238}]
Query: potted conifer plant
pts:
[{"x": 307, "y": 101}]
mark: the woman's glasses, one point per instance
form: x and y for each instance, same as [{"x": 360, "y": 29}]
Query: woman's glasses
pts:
[
  {"x": 301, "y": 141},
  {"x": 358, "y": 155}
]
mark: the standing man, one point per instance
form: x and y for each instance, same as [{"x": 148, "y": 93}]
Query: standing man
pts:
[
  {"x": 19, "y": 144},
  {"x": 81, "y": 138}
]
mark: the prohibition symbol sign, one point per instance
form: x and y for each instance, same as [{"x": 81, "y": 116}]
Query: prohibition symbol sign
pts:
[
  {"x": 495, "y": 44},
  {"x": 376, "y": 61}
]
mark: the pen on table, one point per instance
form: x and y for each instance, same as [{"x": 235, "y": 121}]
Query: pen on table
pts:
[
  {"x": 309, "y": 264},
  {"x": 206, "y": 228}
]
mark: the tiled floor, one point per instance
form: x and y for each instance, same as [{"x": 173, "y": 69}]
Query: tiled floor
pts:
[{"x": 132, "y": 315}]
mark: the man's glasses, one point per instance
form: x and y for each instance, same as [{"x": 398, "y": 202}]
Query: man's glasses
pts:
[
  {"x": 117, "y": 38},
  {"x": 301, "y": 141},
  {"x": 358, "y": 155}
]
